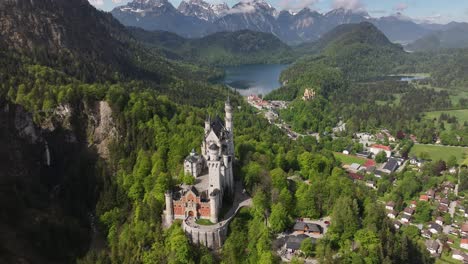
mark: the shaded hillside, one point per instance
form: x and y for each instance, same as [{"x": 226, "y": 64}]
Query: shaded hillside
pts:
[
  {"x": 225, "y": 48},
  {"x": 82, "y": 41},
  {"x": 451, "y": 38},
  {"x": 50, "y": 34}
]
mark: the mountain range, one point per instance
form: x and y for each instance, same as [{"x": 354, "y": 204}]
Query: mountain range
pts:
[
  {"x": 452, "y": 36},
  {"x": 196, "y": 18}
]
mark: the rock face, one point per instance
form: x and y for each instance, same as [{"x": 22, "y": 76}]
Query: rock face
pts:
[
  {"x": 104, "y": 129},
  {"x": 203, "y": 10},
  {"x": 197, "y": 18},
  {"x": 48, "y": 184}
]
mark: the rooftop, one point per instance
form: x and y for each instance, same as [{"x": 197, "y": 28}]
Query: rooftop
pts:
[{"x": 386, "y": 148}]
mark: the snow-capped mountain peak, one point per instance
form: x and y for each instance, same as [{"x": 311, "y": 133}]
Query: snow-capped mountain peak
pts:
[
  {"x": 139, "y": 6},
  {"x": 203, "y": 10}
]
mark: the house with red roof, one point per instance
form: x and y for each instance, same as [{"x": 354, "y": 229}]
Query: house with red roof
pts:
[
  {"x": 464, "y": 243},
  {"x": 376, "y": 149},
  {"x": 355, "y": 176},
  {"x": 424, "y": 198}
]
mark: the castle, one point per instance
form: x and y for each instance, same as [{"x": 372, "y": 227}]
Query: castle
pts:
[{"x": 212, "y": 170}]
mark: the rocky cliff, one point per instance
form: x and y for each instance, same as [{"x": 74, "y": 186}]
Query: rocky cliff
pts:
[{"x": 48, "y": 180}]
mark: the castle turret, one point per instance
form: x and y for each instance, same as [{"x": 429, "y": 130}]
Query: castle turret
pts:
[
  {"x": 228, "y": 110},
  {"x": 169, "y": 213},
  {"x": 214, "y": 204},
  {"x": 228, "y": 177},
  {"x": 207, "y": 125}
]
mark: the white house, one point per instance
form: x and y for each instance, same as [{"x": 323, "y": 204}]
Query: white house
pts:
[
  {"x": 458, "y": 255},
  {"x": 376, "y": 149},
  {"x": 392, "y": 214}
]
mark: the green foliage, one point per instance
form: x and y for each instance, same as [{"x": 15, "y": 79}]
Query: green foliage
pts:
[
  {"x": 381, "y": 157},
  {"x": 220, "y": 49},
  {"x": 279, "y": 218},
  {"x": 423, "y": 213},
  {"x": 345, "y": 218},
  {"x": 308, "y": 247}
]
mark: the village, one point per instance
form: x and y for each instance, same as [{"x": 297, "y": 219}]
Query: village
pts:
[{"x": 444, "y": 232}]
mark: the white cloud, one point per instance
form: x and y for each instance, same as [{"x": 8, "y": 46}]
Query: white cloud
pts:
[
  {"x": 401, "y": 7},
  {"x": 348, "y": 4},
  {"x": 117, "y": 1},
  {"x": 96, "y": 2},
  {"x": 242, "y": 8},
  {"x": 296, "y": 4}
]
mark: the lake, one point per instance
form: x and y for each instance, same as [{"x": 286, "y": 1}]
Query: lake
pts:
[{"x": 254, "y": 79}]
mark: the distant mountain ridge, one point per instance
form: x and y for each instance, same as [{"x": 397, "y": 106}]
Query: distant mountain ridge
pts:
[
  {"x": 453, "y": 36},
  {"x": 197, "y": 18},
  {"x": 220, "y": 49}
]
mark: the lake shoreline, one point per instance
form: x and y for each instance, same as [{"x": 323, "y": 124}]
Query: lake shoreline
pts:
[{"x": 253, "y": 79}]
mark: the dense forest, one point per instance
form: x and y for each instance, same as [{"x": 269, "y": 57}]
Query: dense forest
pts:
[
  {"x": 219, "y": 49},
  {"x": 158, "y": 105}
]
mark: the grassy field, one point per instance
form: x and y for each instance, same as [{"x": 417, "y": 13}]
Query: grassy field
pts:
[
  {"x": 349, "y": 159},
  {"x": 461, "y": 115},
  {"x": 455, "y": 93},
  {"x": 204, "y": 222},
  {"x": 440, "y": 152}
]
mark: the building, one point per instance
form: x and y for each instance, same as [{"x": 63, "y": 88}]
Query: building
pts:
[
  {"x": 213, "y": 173},
  {"x": 308, "y": 228},
  {"x": 354, "y": 167},
  {"x": 405, "y": 218},
  {"x": 408, "y": 211},
  {"x": 440, "y": 220},
  {"x": 458, "y": 255},
  {"x": 376, "y": 149},
  {"x": 390, "y": 205},
  {"x": 432, "y": 246},
  {"x": 424, "y": 198},
  {"x": 391, "y": 166},
  {"x": 426, "y": 233},
  {"x": 445, "y": 202},
  {"x": 464, "y": 229},
  {"x": 309, "y": 94},
  {"x": 464, "y": 243},
  {"x": 435, "y": 228},
  {"x": 430, "y": 194},
  {"x": 293, "y": 243},
  {"x": 193, "y": 164},
  {"x": 392, "y": 214}
]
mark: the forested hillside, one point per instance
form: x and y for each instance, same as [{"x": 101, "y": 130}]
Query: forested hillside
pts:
[
  {"x": 361, "y": 52},
  {"x": 219, "y": 49},
  {"x": 99, "y": 196}
]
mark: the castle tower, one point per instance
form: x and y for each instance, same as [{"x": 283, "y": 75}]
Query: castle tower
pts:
[
  {"x": 228, "y": 175},
  {"x": 214, "y": 168},
  {"x": 214, "y": 204},
  {"x": 207, "y": 125},
  {"x": 229, "y": 126},
  {"x": 228, "y": 110},
  {"x": 169, "y": 213}
]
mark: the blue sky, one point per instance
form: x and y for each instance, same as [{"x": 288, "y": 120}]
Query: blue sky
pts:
[{"x": 438, "y": 11}]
